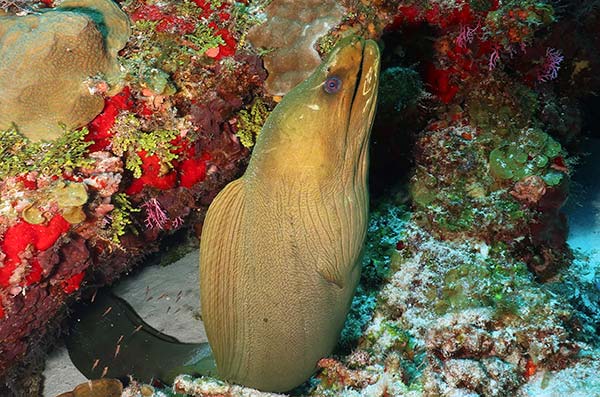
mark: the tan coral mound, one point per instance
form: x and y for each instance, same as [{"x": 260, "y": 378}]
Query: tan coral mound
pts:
[
  {"x": 96, "y": 388},
  {"x": 291, "y": 30},
  {"x": 48, "y": 61},
  {"x": 108, "y": 16}
]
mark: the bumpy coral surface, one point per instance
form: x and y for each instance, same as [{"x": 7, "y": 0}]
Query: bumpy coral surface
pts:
[
  {"x": 289, "y": 36},
  {"x": 55, "y": 65}
]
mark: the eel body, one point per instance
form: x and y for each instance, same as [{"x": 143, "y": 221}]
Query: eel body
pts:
[{"x": 280, "y": 246}]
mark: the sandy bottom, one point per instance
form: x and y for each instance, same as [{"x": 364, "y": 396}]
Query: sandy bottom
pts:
[{"x": 167, "y": 298}]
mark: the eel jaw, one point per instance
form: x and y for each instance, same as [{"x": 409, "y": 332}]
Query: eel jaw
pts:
[
  {"x": 364, "y": 101},
  {"x": 365, "y": 89}
]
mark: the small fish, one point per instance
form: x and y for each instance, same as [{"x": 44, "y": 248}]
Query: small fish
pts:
[{"x": 140, "y": 350}]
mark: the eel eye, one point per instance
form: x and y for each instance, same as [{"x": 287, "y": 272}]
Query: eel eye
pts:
[{"x": 332, "y": 85}]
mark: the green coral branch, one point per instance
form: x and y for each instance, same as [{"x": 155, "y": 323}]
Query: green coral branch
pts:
[
  {"x": 250, "y": 122},
  {"x": 244, "y": 16},
  {"x": 204, "y": 39},
  {"x": 18, "y": 155},
  {"x": 121, "y": 217},
  {"x": 130, "y": 140}
]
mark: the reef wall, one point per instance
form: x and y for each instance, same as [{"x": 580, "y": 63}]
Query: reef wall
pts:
[
  {"x": 480, "y": 115},
  {"x": 87, "y": 200}
]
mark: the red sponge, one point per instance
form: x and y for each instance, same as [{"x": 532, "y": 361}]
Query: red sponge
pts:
[{"x": 19, "y": 236}]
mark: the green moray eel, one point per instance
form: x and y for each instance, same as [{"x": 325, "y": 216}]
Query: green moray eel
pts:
[{"x": 280, "y": 247}]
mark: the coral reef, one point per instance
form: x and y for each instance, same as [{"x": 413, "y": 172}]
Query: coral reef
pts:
[
  {"x": 207, "y": 387},
  {"x": 468, "y": 286},
  {"x": 291, "y": 57},
  {"x": 63, "y": 60},
  {"x": 472, "y": 322},
  {"x": 80, "y": 210}
]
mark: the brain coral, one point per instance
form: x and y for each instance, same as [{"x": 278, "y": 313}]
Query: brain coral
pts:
[
  {"x": 48, "y": 60},
  {"x": 291, "y": 31}
]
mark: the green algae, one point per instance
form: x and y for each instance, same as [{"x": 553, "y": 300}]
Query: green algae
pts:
[
  {"x": 204, "y": 39},
  {"x": 18, "y": 155},
  {"x": 250, "y": 122},
  {"x": 529, "y": 154},
  {"x": 490, "y": 283},
  {"x": 130, "y": 141},
  {"x": 121, "y": 217}
]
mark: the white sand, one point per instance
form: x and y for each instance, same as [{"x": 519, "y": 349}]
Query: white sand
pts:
[{"x": 153, "y": 292}]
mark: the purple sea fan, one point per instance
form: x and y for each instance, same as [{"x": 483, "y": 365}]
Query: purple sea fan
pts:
[
  {"x": 177, "y": 222},
  {"x": 494, "y": 58},
  {"x": 551, "y": 66},
  {"x": 156, "y": 217},
  {"x": 466, "y": 36}
]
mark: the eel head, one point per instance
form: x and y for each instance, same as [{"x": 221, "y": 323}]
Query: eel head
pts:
[{"x": 321, "y": 128}]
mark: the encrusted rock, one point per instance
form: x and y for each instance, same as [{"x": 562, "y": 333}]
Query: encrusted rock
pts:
[
  {"x": 49, "y": 60},
  {"x": 291, "y": 31},
  {"x": 465, "y": 377},
  {"x": 96, "y": 388}
]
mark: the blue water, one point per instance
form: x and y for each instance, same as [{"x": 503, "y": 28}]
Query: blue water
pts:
[{"x": 583, "y": 209}]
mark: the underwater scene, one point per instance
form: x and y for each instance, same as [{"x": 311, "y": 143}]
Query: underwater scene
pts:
[{"x": 276, "y": 198}]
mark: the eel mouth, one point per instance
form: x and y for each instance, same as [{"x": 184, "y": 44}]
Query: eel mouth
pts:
[
  {"x": 362, "y": 108},
  {"x": 365, "y": 88},
  {"x": 359, "y": 72}
]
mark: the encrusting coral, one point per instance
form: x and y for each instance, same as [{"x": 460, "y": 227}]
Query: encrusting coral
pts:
[
  {"x": 75, "y": 211},
  {"x": 55, "y": 65},
  {"x": 291, "y": 57}
]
